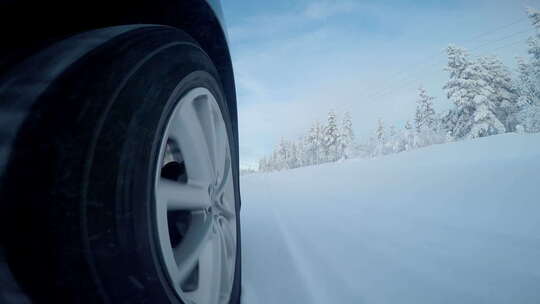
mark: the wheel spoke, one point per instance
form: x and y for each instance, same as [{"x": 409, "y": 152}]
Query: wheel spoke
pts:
[
  {"x": 225, "y": 174},
  {"x": 209, "y": 272},
  {"x": 180, "y": 196},
  {"x": 222, "y": 152},
  {"x": 167, "y": 250},
  {"x": 229, "y": 235},
  {"x": 188, "y": 130},
  {"x": 208, "y": 121},
  {"x": 189, "y": 251},
  {"x": 226, "y": 253}
]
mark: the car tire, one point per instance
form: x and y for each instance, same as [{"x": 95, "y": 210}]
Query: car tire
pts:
[{"x": 120, "y": 182}]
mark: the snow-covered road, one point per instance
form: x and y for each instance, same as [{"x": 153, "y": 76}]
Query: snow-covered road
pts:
[{"x": 453, "y": 223}]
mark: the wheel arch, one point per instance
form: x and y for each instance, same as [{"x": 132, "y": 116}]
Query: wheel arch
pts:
[{"x": 40, "y": 23}]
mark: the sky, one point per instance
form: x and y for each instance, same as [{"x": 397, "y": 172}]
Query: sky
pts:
[{"x": 295, "y": 60}]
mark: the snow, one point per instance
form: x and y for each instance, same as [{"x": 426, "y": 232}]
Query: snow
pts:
[{"x": 451, "y": 223}]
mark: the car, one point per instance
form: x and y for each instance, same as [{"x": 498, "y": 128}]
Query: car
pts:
[{"x": 119, "y": 170}]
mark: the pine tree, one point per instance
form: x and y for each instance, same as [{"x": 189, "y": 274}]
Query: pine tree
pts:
[
  {"x": 263, "y": 164},
  {"x": 380, "y": 139},
  {"x": 346, "y": 137},
  {"x": 459, "y": 123},
  {"x": 331, "y": 135},
  {"x": 282, "y": 155},
  {"x": 301, "y": 153},
  {"x": 528, "y": 83},
  {"x": 292, "y": 158},
  {"x": 504, "y": 94},
  {"x": 425, "y": 114},
  {"x": 393, "y": 142},
  {"x": 270, "y": 162},
  {"x": 309, "y": 151},
  {"x": 448, "y": 123},
  {"x": 313, "y": 144},
  {"x": 472, "y": 96},
  {"x": 534, "y": 41},
  {"x": 380, "y": 133},
  {"x": 428, "y": 125},
  {"x": 408, "y": 137},
  {"x": 408, "y": 125}
]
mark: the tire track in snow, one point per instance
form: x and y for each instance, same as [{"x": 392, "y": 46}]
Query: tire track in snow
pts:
[
  {"x": 269, "y": 253},
  {"x": 313, "y": 290}
]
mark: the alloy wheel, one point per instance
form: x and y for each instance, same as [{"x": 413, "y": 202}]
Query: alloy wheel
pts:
[{"x": 195, "y": 201}]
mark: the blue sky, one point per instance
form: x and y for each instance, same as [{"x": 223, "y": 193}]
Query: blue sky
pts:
[{"x": 295, "y": 60}]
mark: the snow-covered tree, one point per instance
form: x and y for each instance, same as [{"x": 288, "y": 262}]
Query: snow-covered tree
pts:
[
  {"x": 529, "y": 117},
  {"x": 486, "y": 122},
  {"x": 408, "y": 137},
  {"x": 380, "y": 133},
  {"x": 263, "y": 165},
  {"x": 331, "y": 136},
  {"x": 300, "y": 153},
  {"x": 448, "y": 123},
  {"x": 408, "y": 125},
  {"x": 424, "y": 117},
  {"x": 380, "y": 139},
  {"x": 281, "y": 155},
  {"x": 399, "y": 142},
  {"x": 392, "y": 131},
  {"x": 313, "y": 143},
  {"x": 458, "y": 120},
  {"x": 292, "y": 157},
  {"x": 472, "y": 96},
  {"x": 394, "y": 140},
  {"x": 534, "y": 41},
  {"x": 346, "y": 137},
  {"x": 365, "y": 149},
  {"x": 271, "y": 163},
  {"x": 504, "y": 94},
  {"x": 528, "y": 82}
]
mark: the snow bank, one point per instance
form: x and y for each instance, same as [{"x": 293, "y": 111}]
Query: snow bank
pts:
[{"x": 452, "y": 223}]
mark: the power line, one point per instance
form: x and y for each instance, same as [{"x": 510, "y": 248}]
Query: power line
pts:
[
  {"x": 501, "y": 39},
  {"x": 486, "y": 44},
  {"x": 412, "y": 81},
  {"x": 420, "y": 66},
  {"x": 520, "y": 20},
  {"x": 510, "y": 44},
  {"x": 430, "y": 61}
]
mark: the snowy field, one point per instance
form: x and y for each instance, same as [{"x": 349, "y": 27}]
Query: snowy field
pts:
[{"x": 452, "y": 223}]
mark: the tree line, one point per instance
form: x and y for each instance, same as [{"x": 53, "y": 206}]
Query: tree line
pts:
[
  {"x": 323, "y": 143},
  {"x": 486, "y": 98}
]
